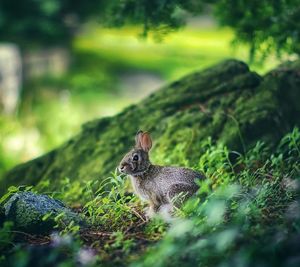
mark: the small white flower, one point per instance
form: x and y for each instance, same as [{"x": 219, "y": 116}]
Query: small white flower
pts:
[
  {"x": 290, "y": 184},
  {"x": 293, "y": 210},
  {"x": 86, "y": 256},
  {"x": 58, "y": 240}
]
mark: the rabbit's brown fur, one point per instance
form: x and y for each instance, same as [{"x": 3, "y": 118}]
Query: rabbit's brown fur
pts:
[{"x": 157, "y": 185}]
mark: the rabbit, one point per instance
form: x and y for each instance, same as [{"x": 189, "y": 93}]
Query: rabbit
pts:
[{"x": 157, "y": 185}]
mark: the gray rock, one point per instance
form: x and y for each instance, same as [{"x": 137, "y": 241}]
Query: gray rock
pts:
[{"x": 28, "y": 212}]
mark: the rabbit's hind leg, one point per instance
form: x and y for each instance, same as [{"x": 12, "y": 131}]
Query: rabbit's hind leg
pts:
[{"x": 165, "y": 211}]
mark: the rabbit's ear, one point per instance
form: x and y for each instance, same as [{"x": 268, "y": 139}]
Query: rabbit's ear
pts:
[
  {"x": 146, "y": 142},
  {"x": 138, "y": 138}
]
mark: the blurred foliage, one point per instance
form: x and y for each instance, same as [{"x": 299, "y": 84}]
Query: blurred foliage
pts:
[
  {"x": 47, "y": 22},
  {"x": 267, "y": 26},
  {"x": 158, "y": 16}
]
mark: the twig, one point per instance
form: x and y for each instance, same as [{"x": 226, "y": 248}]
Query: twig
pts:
[{"x": 138, "y": 215}]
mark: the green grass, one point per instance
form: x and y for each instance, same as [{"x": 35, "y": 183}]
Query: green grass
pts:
[{"x": 243, "y": 214}]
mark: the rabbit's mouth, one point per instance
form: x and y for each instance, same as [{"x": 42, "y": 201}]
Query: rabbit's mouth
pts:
[
  {"x": 127, "y": 168},
  {"x": 123, "y": 168}
]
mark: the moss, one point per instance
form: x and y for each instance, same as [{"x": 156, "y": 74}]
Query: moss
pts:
[
  {"x": 227, "y": 102},
  {"x": 27, "y": 211}
]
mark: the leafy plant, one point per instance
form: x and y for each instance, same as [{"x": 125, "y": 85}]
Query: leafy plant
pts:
[{"x": 12, "y": 190}]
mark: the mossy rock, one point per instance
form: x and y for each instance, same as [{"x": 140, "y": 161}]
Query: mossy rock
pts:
[
  {"x": 36, "y": 213},
  {"x": 227, "y": 102}
]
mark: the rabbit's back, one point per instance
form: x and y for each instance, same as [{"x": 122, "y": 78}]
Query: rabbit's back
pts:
[{"x": 166, "y": 177}]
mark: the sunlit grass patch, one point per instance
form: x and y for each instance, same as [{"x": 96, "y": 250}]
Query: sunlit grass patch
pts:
[{"x": 177, "y": 54}]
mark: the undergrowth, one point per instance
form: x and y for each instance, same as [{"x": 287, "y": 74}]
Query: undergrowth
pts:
[{"x": 246, "y": 213}]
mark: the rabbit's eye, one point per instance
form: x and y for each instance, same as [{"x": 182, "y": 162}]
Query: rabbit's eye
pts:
[{"x": 135, "y": 158}]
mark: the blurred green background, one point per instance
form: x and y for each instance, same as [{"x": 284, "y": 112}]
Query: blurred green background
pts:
[{"x": 98, "y": 72}]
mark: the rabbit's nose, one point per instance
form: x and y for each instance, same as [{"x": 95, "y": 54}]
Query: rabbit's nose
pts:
[{"x": 122, "y": 167}]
